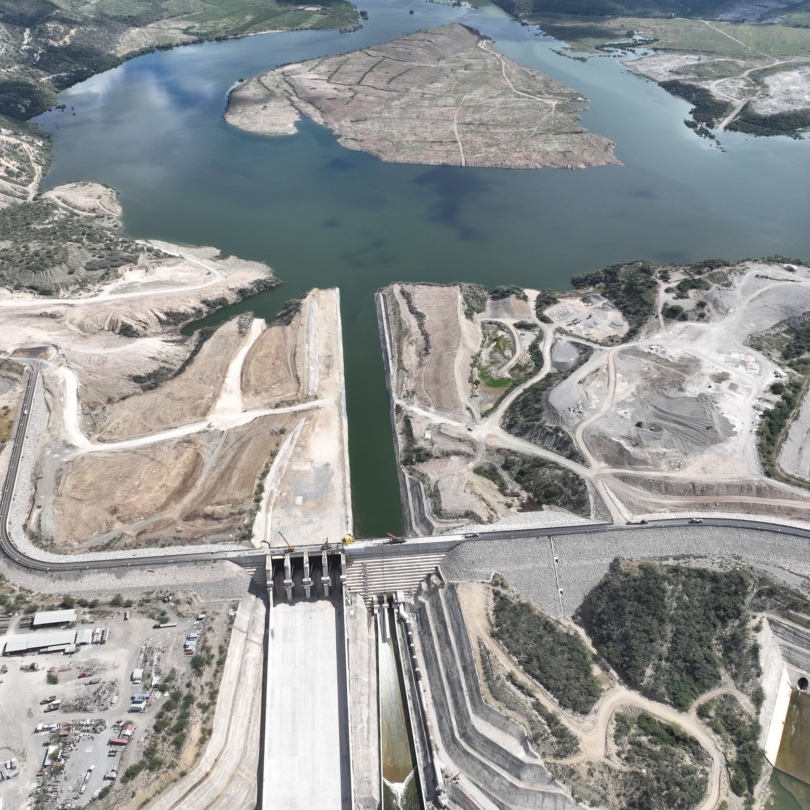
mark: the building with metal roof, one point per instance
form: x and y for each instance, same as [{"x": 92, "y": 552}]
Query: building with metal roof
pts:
[
  {"x": 51, "y": 618},
  {"x": 33, "y": 642}
]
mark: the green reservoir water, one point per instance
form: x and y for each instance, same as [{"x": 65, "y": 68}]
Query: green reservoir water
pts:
[{"x": 322, "y": 215}]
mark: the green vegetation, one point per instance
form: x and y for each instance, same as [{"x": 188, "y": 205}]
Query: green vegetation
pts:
[
  {"x": 67, "y": 42},
  {"x": 739, "y": 732},
  {"x": 707, "y": 110},
  {"x": 288, "y": 312},
  {"x": 670, "y": 630},
  {"x": 545, "y": 298},
  {"x": 631, "y": 287},
  {"x": 412, "y": 453},
  {"x": 787, "y": 343},
  {"x": 562, "y": 742},
  {"x": 774, "y": 427},
  {"x": 545, "y": 483},
  {"x": 782, "y": 601},
  {"x": 674, "y": 312},
  {"x": 668, "y": 765},
  {"x": 526, "y": 417},
  {"x": 499, "y": 293},
  {"x": 557, "y": 659},
  {"x": 548, "y": 484},
  {"x": 685, "y": 286},
  {"x": 51, "y": 250},
  {"x": 589, "y": 33},
  {"x": 475, "y": 298},
  {"x": 791, "y": 123},
  {"x": 162, "y": 374},
  {"x": 52, "y": 678}
]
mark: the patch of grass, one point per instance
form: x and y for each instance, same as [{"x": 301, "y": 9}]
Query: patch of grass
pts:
[
  {"x": 554, "y": 657},
  {"x": 588, "y": 33}
]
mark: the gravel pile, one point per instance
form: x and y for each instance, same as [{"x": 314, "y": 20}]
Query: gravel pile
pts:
[{"x": 528, "y": 564}]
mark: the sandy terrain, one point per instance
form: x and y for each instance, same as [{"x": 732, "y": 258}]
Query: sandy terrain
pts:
[
  {"x": 306, "y": 490},
  {"x": 785, "y": 91},
  {"x": 443, "y": 96}
]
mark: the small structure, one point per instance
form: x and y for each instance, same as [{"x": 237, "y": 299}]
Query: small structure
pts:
[
  {"x": 137, "y": 675},
  {"x": 53, "y": 618},
  {"x": 84, "y": 636}
]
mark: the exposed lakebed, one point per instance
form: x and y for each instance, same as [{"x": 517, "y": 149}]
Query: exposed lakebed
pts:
[{"x": 322, "y": 215}]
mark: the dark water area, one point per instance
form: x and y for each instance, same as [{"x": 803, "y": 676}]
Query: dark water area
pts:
[{"x": 321, "y": 215}]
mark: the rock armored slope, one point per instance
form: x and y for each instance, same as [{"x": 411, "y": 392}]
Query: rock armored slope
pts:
[{"x": 439, "y": 97}]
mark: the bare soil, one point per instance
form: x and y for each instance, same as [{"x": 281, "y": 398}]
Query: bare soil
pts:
[{"x": 442, "y": 96}]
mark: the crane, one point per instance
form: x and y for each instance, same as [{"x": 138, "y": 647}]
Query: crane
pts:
[{"x": 290, "y": 546}]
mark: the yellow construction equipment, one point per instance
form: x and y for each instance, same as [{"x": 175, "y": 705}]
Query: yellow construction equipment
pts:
[
  {"x": 348, "y": 540},
  {"x": 290, "y": 546}
]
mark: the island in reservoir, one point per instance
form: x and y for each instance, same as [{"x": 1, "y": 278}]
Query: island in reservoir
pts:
[{"x": 438, "y": 97}]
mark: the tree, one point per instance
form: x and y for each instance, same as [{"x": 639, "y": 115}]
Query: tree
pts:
[{"x": 117, "y": 600}]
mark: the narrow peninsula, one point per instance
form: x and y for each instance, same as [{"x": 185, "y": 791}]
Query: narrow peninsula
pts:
[{"x": 437, "y": 97}]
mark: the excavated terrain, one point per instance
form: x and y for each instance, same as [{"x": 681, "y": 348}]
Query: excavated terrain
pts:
[
  {"x": 457, "y": 356},
  {"x": 143, "y": 437}
]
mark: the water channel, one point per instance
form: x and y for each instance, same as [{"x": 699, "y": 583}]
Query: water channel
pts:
[{"x": 399, "y": 779}]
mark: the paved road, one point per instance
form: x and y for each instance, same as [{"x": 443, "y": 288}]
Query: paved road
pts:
[{"x": 253, "y": 557}]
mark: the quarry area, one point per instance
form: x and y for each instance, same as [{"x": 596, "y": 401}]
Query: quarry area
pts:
[
  {"x": 647, "y": 391},
  {"x": 756, "y": 94},
  {"x": 140, "y": 436},
  {"x": 439, "y": 97}
]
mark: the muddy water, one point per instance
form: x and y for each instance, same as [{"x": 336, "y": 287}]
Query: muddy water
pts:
[
  {"x": 397, "y": 760},
  {"x": 788, "y": 793},
  {"x": 794, "y": 750},
  {"x": 322, "y": 215}
]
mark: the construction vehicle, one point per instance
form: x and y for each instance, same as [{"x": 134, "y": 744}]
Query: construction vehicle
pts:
[
  {"x": 395, "y": 540},
  {"x": 348, "y": 540},
  {"x": 290, "y": 546}
]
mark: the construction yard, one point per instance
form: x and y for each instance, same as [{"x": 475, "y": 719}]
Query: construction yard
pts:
[
  {"x": 83, "y": 725},
  {"x": 646, "y": 391}
]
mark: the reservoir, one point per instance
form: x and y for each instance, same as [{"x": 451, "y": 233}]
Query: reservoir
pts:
[{"x": 321, "y": 215}]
